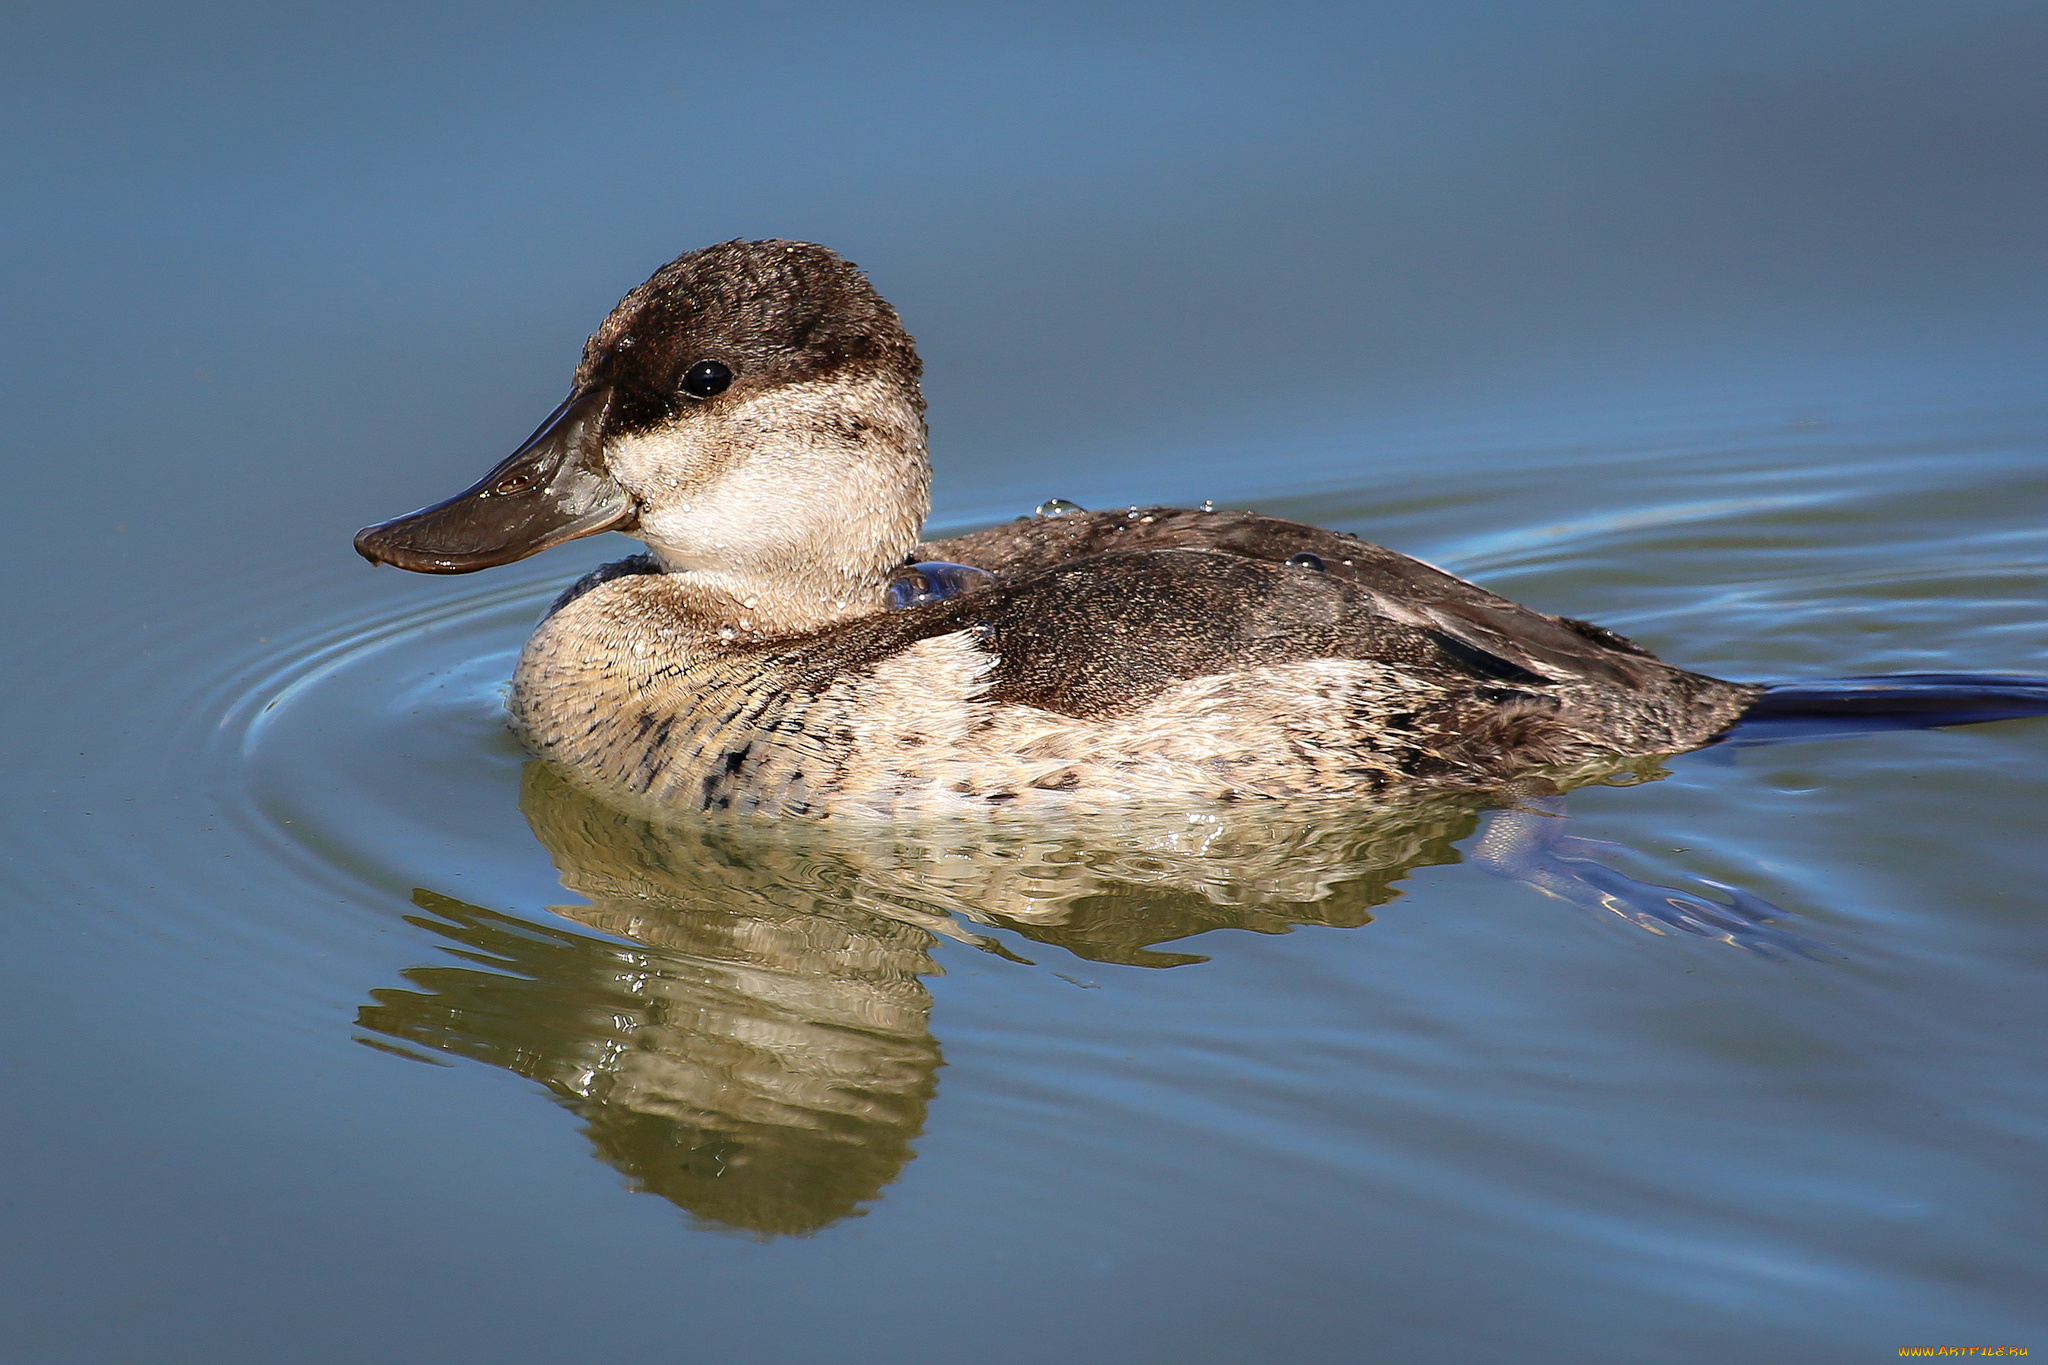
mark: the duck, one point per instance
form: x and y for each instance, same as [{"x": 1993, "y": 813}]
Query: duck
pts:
[{"x": 788, "y": 647}]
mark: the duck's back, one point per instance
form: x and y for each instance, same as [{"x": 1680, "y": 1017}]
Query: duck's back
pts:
[
  {"x": 1166, "y": 655},
  {"x": 1395, "y": 586}
]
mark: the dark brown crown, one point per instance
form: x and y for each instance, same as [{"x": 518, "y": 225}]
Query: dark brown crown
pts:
[{"x": 772, "y": 312}]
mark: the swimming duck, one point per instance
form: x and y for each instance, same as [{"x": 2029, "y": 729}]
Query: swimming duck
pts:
[{"x": 787, "y": 646}]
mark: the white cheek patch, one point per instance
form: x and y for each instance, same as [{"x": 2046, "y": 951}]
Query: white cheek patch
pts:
[
  {"x": 756, "y": 483},
  {"x": 683, "y": 476}
]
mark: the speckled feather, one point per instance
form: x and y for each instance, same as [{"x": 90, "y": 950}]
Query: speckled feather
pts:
[{"x": 1186, "y": 661}]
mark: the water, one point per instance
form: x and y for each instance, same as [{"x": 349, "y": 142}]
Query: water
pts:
[{"x": 338, "y": 1031}]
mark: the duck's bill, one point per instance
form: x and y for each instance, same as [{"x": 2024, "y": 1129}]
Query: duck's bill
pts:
[{"x": 552, "y": 489}]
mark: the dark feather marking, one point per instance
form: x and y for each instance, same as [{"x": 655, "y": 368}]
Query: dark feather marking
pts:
[
  {"x": 602, "y": 574},
  {"x": 1476, "y": 660},
  {"x": 1519, "y": 735},
  {"x": 1601, "y": 635}
]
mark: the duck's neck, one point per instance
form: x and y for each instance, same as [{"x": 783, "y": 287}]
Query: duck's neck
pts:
[{"x": 787, "y": 512}]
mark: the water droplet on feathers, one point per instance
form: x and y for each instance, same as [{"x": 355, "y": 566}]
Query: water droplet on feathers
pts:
[{"x": 914, "y": 585}]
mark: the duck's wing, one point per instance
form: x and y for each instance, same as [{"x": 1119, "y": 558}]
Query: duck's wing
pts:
[
  {"x": 1102, "y": 634},
  {"x": 1377, "y": 583}
]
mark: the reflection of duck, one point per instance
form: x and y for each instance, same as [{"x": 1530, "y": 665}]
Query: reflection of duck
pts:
[
  {"x": 751, "y": 1038},
  {"x": 772, "y": 1116},
  {"x": 755, "y": 1049},
  {"x": 752, "y": 412}
]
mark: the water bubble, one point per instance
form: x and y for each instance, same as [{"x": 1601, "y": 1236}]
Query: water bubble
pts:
[
  {"x": 1305, "y": 561},
  {"x": 934, "y": 580},
  {"x": 1058, "y": 507}
]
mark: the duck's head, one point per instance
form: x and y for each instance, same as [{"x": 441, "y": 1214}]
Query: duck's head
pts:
[{"x": 752, "y": 412}]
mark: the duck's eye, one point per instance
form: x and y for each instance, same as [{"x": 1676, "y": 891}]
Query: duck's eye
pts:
[{"x": 706, "y": 379}]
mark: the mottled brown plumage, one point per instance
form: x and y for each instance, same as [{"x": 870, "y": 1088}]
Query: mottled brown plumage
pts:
[
  {"x": 1097, "y": 680},
  {"x": 749, "y": 662}
]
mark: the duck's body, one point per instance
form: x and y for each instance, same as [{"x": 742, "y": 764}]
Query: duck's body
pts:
[
  {"x": 752, "y": 412},
  {"x": 1166, "y": 655}
]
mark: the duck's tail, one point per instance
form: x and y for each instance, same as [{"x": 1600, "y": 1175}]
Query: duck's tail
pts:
[{"x": 1890, "y": 701}]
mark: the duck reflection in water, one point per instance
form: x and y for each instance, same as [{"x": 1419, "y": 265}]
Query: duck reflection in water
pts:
[{"x": 751, "y": 1037}]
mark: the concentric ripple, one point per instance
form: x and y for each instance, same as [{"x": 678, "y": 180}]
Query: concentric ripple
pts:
[
  {"x": 377, "y": 753},
  {"x": 273, "y": 760}
]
